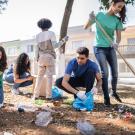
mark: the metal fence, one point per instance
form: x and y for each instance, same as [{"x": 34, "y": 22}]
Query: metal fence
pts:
[{"x": 127, "y": 49}]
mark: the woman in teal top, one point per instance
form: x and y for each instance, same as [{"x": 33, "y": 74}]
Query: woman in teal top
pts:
[
  {"x": 3, "y": 65},
  {"x": 104, "y": 49}
]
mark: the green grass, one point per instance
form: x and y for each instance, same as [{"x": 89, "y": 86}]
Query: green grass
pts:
[
  {"x": 68, "y": 101},
  {"x": 39, "y": 102}
]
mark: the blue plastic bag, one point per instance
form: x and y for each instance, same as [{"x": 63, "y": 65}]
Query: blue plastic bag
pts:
[
  {"x": 88, "y": 104},
  {"x": 56, "y": 93}
]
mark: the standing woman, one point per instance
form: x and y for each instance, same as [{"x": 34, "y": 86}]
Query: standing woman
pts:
[
  {"x": 112, "y": 21},
  {"x": 45, "y": 55},
  {"x": 3, "y": 65}
]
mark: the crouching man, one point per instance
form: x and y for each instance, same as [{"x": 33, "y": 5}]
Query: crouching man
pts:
[{"x": 80, "y": 72}]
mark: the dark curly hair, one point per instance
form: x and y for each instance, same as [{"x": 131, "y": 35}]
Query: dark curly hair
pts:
[
  {"x": 21, "y": 66},
  {"x": 122, "y": 13},
  {"x": 3, "y": 60},
  {"x": 44, "y": 23}
]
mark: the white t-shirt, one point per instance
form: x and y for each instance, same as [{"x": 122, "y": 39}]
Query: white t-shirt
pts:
[{"x": 46, "y": 35}]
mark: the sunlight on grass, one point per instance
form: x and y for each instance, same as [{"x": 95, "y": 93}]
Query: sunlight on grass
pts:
[{"x": 39, "y": 102}]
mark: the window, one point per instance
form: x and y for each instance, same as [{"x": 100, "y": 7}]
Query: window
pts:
[
  {"x": 77, "y": 44},
  {"x": 12, "y": 51},
  {"x": 131, "y": 41},
  {"x": 29, "y": 48}
]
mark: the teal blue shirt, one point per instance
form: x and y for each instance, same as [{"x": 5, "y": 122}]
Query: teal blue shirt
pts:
[{"x": 110, "y": 24}]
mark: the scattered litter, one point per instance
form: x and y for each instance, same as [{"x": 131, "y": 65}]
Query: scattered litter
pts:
[
  {"x": 111, "y": 116},
  {"x": 121, "y": 108},
  {"x": 47, "y": 108},
  {"x": 85, "y": 127},
  {"x": 127, "y": 116},
  {"x": 57, "y": 103},
  {"x": 43, "y": 119},
  {"x": 7, "y": 133},
  {"x": 26, "y": 108}
]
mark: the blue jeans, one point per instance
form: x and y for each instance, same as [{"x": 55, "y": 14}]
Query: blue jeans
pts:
[
  {"x": 1, "y": 95},
  {"x": 104, "y": 57},
  {"x": 9, "y": 77}
]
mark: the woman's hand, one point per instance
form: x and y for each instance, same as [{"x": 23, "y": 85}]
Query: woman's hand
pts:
[
  {"x": 115, "y": 45},
  {"x": 92, "y": 17},
  {"x": 30, "y": 78}
]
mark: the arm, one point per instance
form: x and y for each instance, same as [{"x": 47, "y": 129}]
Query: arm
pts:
[
  {"x": 36, "y": 52},
  {"x": 87, "y": 25},
  {"x": 17, "y": 80},
  {"x": 118, "y": 36},
  {"x": 90, "y": 21},
  {"x": 60, "y": 43},
  {"x": 67, "y": 86},
  {"x": 99, "y": 81},
  {"x": 56, "y": 44}
]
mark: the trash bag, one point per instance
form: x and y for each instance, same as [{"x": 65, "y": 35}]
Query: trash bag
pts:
[
  {"x": 56, "y": 93},
  {"x": 85, "y": 127},
  {"x": 87, "y": 104}
]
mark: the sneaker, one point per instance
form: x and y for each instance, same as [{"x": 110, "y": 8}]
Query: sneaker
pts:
[
  {"x": 116, "y": 97},
  {"x": 1, "y": 105},
  {"x": 15, "y": 91},
  {"x": 34, "y": 98},
  {"x": 107, "y": 103}
]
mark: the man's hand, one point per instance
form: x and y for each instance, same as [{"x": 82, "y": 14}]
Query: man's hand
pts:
[{"x": 81, "y": 95}]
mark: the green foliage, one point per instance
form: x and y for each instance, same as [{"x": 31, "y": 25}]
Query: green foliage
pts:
[{"x": 2, "y": 4}]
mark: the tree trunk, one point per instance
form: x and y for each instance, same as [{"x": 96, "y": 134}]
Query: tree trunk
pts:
[
  {"x": 65, "y": 21},
  {"x": 61, "y": 60}
]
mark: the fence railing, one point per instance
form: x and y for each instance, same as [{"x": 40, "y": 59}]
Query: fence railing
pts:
[{"x": 127, "y": 49}]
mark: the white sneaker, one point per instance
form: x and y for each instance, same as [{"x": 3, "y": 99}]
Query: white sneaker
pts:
[
  {"x": 1, "y": 105},
  {"x": 15, "y": 91}
]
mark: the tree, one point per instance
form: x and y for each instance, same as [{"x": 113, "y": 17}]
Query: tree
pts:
[{"x": 2, "y": 4}]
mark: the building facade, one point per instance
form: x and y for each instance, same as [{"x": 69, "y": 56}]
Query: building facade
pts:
[{"x": 78, "y": 37}]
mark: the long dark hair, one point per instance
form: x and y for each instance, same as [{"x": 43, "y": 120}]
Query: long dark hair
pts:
[
  {"x": 21, "y": 66},
  {"x": 3, "y": 60},
  {"x": 122, "y": 13}
]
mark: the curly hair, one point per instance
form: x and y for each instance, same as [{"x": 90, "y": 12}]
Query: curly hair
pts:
[
  {"x": 21, "y": 66},
  {"x": 3, "y": 60},
  {"x": 44, "y": 23}
]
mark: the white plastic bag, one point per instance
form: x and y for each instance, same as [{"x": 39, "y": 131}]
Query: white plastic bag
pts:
[
  {"x": 43, "y": 119},
  {"x": 85, "y": 128}
]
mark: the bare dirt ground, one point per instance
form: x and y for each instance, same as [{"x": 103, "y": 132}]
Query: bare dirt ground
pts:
[{"x": 107, "y": 121}]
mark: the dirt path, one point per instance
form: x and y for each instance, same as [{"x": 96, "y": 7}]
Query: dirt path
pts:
[{"x": 106, "y": 121}]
